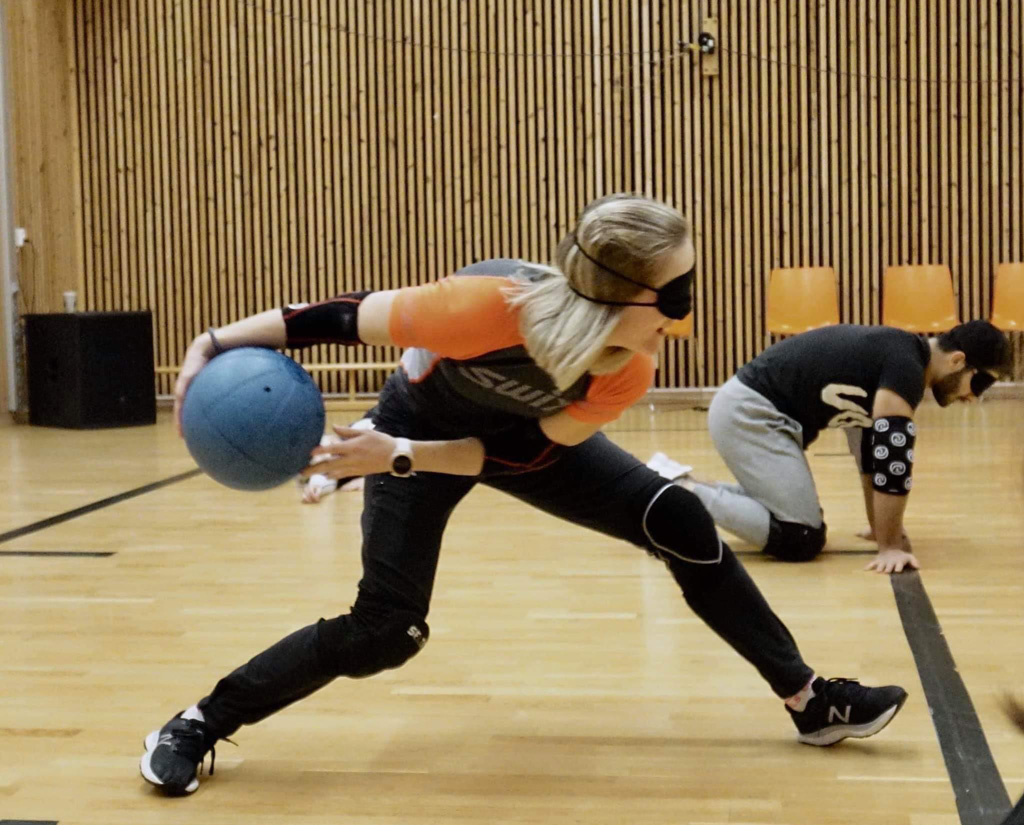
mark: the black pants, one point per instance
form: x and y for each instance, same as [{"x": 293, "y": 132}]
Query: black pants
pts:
[{"x": 596, "y": 485}]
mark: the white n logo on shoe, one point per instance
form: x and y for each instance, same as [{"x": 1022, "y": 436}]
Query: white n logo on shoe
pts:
[
  {"x": 833, "y": 713},
  {"x": 165, "y": 739}
]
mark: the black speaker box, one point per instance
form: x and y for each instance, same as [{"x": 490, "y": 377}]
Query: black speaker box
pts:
[{"x": 88, "y": 370}]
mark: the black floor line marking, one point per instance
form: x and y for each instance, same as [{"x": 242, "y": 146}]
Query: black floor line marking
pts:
[
  {"x": 981, "y": 797},
  {"x": 77, "y": 554},
  {"x": 96, "y": 505},
  {"x": 28, "y": 822}
]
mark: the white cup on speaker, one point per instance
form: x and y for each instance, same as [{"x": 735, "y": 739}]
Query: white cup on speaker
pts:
[{"x": 69, "y": 301}]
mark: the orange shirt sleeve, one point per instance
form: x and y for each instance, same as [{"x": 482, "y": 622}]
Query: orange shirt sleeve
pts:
[
  {"x": 458, "y": 317},
  {"x": 609, "y": 395}
]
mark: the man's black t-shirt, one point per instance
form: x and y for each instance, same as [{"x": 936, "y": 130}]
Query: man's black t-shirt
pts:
[{"x": 828, "y": 377}]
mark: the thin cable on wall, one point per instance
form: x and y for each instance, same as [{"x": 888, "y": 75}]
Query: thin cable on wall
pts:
[
  {"x": 656, "y": 55},
  {"x": 863, "y": 76}
]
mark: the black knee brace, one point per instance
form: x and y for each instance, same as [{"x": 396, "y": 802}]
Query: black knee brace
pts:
[
  {"x": 789, "y": 541},
  {"x": 367, "y": 641},
  {"x": 679, "y": 528}
]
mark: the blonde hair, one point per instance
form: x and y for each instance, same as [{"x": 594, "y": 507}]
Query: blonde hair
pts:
[{"x": 564, "y": 332}]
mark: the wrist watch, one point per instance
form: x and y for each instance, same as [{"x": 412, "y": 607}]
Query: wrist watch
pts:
[{"x": 401, "y": 458}]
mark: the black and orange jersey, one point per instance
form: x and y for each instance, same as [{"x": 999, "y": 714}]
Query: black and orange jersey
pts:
[{"x": 464, "y": 348}]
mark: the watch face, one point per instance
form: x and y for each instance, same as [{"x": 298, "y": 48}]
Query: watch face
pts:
[{"x": 401, "y": 465}]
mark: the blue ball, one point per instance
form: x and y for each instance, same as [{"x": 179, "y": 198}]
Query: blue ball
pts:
[{"x": 251, "y": 417}]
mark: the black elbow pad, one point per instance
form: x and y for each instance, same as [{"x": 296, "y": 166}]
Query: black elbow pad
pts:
[{"x": 334, "y": 321}]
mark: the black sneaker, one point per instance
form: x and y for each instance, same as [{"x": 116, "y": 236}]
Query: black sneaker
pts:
[
  {"x": 174, "y": 755},
  {"x": 844, "y": 707}
]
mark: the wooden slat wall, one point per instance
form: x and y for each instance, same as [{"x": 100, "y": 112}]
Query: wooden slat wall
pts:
[
  {"x": 236, "y": 154},
  {"x": 41, "y": 89}
]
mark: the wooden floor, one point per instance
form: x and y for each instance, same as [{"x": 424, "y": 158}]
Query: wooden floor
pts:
[{"x": 565, "y": 680}]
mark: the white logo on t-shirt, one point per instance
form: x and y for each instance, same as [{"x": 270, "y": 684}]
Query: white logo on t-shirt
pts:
[{"x": 853, "y": 414}]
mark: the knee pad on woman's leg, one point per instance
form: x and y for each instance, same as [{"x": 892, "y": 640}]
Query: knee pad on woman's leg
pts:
[
  {"x": 790, "y": 541},
  {"x": 359, "y": 645},
  {"x": 680, "y": 529}
]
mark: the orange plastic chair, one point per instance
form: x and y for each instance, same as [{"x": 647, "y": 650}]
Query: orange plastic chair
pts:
[
  {"x": 682, "y": 328},
  {"x": 802, "y": 298},
  {"x": 1008, "y": 297},
  {"x": 919, "y": 298}
]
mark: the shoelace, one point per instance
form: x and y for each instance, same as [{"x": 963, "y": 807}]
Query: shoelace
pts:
[
  {"x": 190, "y": 742},
  {"x": 213, "y": 756},
  {"x": 841, "y": 681}
]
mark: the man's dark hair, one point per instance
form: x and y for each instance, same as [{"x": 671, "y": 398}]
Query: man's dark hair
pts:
[{"x": 985, "y": 347}]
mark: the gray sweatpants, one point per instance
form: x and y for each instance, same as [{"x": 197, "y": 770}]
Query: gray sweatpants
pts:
[{"x": 764, "y": 450}]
